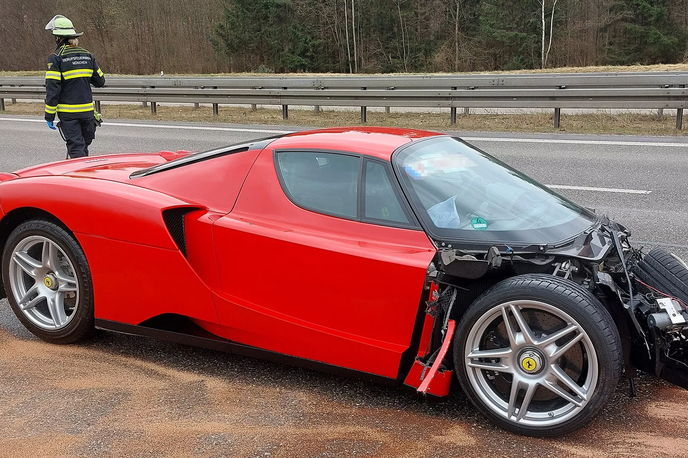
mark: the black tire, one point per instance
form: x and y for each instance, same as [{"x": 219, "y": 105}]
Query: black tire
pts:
[
  {"x": 80, "y": 323},
  {"x": 598, "y": 349},
  {"x": 666, "y": 272}
]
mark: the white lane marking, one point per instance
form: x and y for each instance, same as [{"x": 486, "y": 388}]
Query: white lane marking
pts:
[
  {"x": 470, "y": 139},
  {"x": 553, "y": 186},
  {"x": 2, "y": 118},
  {"x": 164, "y": 126},
  {"x": 221, "y": 129},
  {"x": 590, "y": 188},
  {"x": 670, "y": 245},
  {"x": 572, "y": 142}
]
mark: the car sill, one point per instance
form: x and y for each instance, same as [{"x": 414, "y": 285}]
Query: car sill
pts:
[{"x": 198, "y": 337}]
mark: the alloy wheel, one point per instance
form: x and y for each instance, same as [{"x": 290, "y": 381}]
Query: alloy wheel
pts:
[
  {"x": 531, "y": 363},
  {"x": 44, "y": 283}
]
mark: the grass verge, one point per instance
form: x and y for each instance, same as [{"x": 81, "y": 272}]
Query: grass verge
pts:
[
  {"x": 597, "y": 123},
  {"x": 682, "y": 67}
]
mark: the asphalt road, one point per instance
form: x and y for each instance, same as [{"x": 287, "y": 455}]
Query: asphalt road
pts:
[
  {"x": 655, "y": 164},
  {"x": 126, "y": 396}
]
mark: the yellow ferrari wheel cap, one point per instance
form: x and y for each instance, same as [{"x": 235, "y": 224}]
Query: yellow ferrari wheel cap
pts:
[
  {"x": 531, "y": 361},
  {"x": 529, "y": 364},
  {"x": 48, "y": 282}
]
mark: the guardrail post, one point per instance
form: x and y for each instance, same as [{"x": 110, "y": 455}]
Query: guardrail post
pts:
[
  {"x": 466, "y": 111},
  {"x": 679, "y": 119},
  {"x": 387, "y": 110},
  {"x": 14, "y": 101},
  {"x": 317, "y": 109},
  {"x": 154, "y": 108},
  {"x": 216, "y": 106},
  {"x": 285, "y": 109},
  {"x": 679, "y": 114},
  {"x": 2, "y": 104},
  {"x": 557, "y": 117},
  {"x": 97, "y": 105},
  {"x": 144, "y": 104},
  {"x": 364, "y": 111},
  {"x": 254, "y": 107},
  {"x": 452, "y": 112}
]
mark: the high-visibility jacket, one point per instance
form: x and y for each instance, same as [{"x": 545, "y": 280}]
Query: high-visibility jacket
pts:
[{"x": 71, "y": 71}]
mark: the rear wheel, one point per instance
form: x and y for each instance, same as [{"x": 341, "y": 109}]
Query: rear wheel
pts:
[
  {"x": 538, "y": 355},
  {"x": 48, "y": 282}
]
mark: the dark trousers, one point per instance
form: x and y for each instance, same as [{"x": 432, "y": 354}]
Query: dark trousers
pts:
[{"x": 78, "y": 133}]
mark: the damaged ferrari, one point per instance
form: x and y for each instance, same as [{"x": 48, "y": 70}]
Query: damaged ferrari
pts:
[{"x": 400, "y": 256}]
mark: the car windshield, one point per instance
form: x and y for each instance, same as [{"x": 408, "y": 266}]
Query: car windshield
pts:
[{"x": 461, "y": 193}]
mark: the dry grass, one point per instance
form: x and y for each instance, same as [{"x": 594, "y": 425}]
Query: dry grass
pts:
[
  {"x": 599, "y": 123},
  {"x": 683, "y": 67},
  {"x": 22, "y": 73}
]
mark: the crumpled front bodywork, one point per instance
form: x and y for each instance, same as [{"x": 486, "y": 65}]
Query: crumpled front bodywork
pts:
[{"x": 601, "y": 260}]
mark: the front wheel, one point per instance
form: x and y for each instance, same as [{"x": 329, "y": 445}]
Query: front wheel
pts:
[
  {"x": 48, "y": 282},
  {"x": 538, "y": 355}
]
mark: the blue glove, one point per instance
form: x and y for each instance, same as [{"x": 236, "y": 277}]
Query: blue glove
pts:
[{"x": 50, "y": 124}]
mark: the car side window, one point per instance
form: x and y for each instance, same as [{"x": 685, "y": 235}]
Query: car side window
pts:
[
  {"x": 322, "y": 182},
  {"x": 381, "y": 200}
]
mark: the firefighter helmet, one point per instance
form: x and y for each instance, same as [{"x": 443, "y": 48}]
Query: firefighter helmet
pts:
[{"x": 62, "y": 27}]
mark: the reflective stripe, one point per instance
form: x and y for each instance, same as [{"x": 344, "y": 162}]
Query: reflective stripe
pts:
[
  {"x": 50, "y": 109},
  {"x": 78, "y": 75},
  {"x": 65, "y": 108},
  {"x": 81, "y": 73},
  {"x": 51, "y": 75},
  {"x": 70, "y": 50},
  {"x": 100, "y": 73}
]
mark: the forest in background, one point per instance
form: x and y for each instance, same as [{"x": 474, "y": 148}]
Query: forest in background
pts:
[{"x": 350, "y": 36}]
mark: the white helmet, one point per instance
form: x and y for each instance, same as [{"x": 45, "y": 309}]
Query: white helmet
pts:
[{"x": 62, "y": 27}]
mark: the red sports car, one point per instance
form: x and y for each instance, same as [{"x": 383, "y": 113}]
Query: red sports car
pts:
[{"x": 396, "y": 255}]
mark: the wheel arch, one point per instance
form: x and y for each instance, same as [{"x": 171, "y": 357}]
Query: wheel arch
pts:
[
  {"x": 16, "y": 217},
  {"x": 469, "y": 293}
]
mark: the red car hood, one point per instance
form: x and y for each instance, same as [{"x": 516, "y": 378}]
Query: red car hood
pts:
[{"x": 115, "y": 167}]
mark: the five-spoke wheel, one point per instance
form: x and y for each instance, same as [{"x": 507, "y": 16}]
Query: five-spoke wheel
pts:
[
  {"x": 43, "y": 282},
  {"x": 538, "y": 354},
  {"x": 48, "y": 282}
]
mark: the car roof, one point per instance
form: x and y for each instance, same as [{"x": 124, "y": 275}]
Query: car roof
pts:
[{"x": 379, "y": 142}]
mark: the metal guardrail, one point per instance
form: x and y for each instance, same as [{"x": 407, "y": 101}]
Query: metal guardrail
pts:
[{"x": 659, "y": 90}]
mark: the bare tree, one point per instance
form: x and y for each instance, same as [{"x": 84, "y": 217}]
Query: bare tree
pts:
[
  {"x": 551, "y": 33},
  {"x": 404, "y": 37},
  {"x": 346, "y": 28},
  {"x": 543, "y": 18},
  {"x": 353, "y": 34},
  {"x": 457, "y": 21}
]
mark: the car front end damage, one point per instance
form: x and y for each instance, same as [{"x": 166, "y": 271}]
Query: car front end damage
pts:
[{"x": 650, "y": 315}]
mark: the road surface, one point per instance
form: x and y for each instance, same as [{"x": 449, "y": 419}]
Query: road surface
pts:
[{"x": 120, "y": 395}]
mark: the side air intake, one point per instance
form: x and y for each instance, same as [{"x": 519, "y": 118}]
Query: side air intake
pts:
[{"x": 174, "y": 220}]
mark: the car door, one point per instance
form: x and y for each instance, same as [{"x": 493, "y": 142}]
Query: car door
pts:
[{"x": 322, "y": 259}]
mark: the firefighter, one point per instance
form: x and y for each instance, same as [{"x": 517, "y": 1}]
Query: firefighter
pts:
[{"x": 71, "y": 71}]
